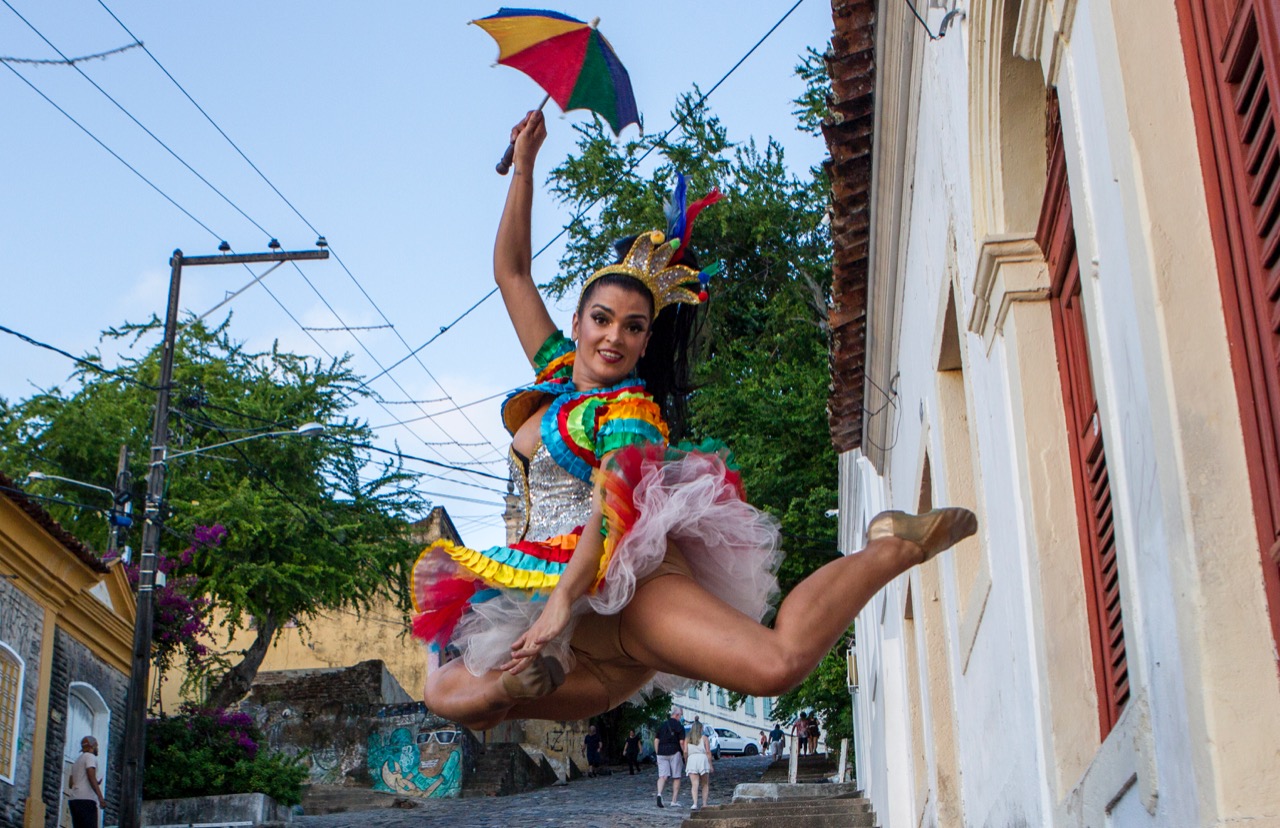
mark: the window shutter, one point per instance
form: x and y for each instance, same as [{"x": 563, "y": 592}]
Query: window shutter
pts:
[
  {"x": 1056, "y": 235},
  {"x": 1233, "y": 59}
]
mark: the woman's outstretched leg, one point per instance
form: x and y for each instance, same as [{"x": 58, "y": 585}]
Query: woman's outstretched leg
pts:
[{"x": 729, "y": 649}]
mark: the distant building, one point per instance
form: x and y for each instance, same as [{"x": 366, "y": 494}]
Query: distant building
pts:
[
  {"x": 711, "y": 704},
  {"x": 344, "y": 638},
  {"x": 66, "y": 634}
]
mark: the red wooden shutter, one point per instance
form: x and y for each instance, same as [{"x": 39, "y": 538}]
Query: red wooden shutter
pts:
[
  {"x": 1057, "y": 238},
  {"x": 1233, "y": 60}
]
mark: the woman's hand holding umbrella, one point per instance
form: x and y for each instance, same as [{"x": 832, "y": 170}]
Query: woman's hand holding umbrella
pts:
[{"x": 526, "y": 139}]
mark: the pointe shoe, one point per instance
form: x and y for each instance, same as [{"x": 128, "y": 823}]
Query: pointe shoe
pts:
[
  {"x": 933, "y": 531},
  {"x": 540, "y": 679}
]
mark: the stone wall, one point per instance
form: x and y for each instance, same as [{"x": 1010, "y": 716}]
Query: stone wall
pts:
[
  {"x": 357, "y": 727},
  {"x": 74, "y": 662},
  {"x": 21, "y": 629},
  {"x": 560, "y": 743}
]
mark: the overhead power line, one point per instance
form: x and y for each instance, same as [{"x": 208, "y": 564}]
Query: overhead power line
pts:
[
  {"x": 631, "y": 167},
  {"x": 156, "y": 138},
  {"x": 70, "y": 61},
  {"x": 298, "y": 213}
]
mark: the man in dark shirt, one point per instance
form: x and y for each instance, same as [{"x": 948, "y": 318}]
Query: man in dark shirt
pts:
[
  {"x": 776, "y": 738},
  {"x": 668, "y": 744}
]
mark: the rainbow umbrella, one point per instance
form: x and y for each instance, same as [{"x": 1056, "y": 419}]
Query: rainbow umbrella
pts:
[{"x": 570, "y": 60}]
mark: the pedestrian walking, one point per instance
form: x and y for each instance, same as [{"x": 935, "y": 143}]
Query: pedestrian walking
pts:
[
  {"x": 631, "y": 752},
  {"x": 84, "y": 794},
  {"x": 776, "y": 740},
  {"x": 669, "y": 744},
  {"x": 698, "y": 763},
  {"x": 591, "y": 747}
]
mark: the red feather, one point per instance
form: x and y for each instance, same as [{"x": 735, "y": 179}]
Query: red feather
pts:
[
  {"x": 692, "y": 213},
  {"x": 445, "y": 601}
]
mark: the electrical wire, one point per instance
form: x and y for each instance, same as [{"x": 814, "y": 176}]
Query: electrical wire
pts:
[
  {"x": 235, "y": 206},
  {"x": 93, "y": 366},
  {"x": 632, "y": 165},
  {"x": 139, "y": 124},
  {"x": 333, "y": 252}
]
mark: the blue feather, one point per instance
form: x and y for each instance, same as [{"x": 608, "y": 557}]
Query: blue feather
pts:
[{"x": 675, "y": 209}]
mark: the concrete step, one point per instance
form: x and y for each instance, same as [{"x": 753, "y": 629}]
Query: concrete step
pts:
[
  {"x": 790, "y": 821},
  {"x": 341, "y": 799},
  {"x": 811, "y": 806}
]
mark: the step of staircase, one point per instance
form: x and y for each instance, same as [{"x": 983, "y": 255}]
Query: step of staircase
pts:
[
  {"x": 505, "y": 768},
  {"x": 340, "y": 799}
]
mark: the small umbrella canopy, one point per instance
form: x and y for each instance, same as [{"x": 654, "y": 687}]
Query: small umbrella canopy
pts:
[{"x": 568, "y": 58}]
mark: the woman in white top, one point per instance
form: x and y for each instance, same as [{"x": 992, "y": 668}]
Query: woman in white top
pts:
[{"x": 697, "y": 760}]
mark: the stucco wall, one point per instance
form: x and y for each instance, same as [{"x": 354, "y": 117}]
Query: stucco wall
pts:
[
  {"x": 74, "y": 662},
  {"x": 1191, "y": 748},
  {"x": 21, "y": 628}
]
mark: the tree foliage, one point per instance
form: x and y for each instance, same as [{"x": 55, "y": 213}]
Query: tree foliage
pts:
[
  {"x": 762, "y": 348},
  {"x": 306, "y": 531}
]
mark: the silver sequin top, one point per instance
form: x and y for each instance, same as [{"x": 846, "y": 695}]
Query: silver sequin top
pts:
[{"x": 552, "y": 501}]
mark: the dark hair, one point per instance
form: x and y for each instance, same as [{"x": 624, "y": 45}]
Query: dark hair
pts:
[{"x": 665, "y": 365}]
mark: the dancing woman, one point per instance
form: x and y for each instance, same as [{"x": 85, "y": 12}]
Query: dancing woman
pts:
[{"x": 625, "y": 534}]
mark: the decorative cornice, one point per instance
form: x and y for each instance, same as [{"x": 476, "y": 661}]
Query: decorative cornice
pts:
[{"x": 1010, "y": 269}]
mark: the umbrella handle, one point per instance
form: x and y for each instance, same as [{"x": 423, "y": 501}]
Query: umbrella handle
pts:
[{"x": 504, "y": 166}]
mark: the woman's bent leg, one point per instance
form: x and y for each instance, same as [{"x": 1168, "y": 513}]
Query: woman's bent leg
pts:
[
  {"x": 734, "y": 651},
  {"x": 480, "y": 702}
]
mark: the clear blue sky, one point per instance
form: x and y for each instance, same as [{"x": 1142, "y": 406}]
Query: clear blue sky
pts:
[{"x": 381, "y": 123}]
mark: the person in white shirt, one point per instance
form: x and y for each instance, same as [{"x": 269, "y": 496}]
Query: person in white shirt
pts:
[{"x": 83, "y": 790}]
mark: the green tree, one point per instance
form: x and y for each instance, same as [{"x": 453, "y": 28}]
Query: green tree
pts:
[
  {"x": 761, "y": 367},
  {"x": 307, "y": 530}
]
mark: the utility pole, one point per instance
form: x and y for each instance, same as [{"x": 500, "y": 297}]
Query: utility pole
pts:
[{"x": 135, "y": 722}]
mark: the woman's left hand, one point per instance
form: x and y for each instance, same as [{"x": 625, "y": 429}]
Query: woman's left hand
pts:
[{"x": 553, "y": 621}]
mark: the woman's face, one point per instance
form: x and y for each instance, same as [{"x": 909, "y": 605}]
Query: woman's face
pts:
[{"x": 612, "y": 331}]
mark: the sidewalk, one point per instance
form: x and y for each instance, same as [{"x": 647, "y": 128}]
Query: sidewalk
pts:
[{"x": 618, "y": 801}]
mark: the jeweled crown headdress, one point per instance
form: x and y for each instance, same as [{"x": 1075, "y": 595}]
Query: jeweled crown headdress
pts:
[{"x": 654, "y": 257}]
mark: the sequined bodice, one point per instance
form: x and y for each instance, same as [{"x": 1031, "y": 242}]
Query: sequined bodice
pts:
[{"x": 552, "y": 501}]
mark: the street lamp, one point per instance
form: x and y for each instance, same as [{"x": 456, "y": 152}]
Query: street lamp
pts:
[
  {"x": 35, "y": 475},
  {"x": 135, "y": 718},
  {"x": 304, "y": 430},
  {"x": 119, "y": 518}
]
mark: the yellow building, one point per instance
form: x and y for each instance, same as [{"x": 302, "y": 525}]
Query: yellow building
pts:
[
  {"x": 344, "y": 638},
  {"x": 66, "y": 631}
]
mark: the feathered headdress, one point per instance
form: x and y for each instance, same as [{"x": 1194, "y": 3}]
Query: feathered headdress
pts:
[{"x": 654, "y": 258}]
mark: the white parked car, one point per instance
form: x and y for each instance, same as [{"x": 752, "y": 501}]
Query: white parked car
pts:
[{"x": 731, "y": 743}]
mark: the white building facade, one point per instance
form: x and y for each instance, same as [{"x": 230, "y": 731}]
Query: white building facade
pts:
[
  {"x": 1047, "y": 333},
  {"x": 713, "y": 706}
]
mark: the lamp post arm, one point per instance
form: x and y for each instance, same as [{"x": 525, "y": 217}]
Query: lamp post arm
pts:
[
  {"x": 43, "y": 476},
  {"x": 224, "y": 445}
]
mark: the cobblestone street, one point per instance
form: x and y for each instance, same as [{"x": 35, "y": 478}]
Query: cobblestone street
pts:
[{"x": 617, "y": 801}]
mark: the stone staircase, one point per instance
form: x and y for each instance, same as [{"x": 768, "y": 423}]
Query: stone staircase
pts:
[
  {"x": 773, "y": 802},
  {"x": 505, "y": 768}
]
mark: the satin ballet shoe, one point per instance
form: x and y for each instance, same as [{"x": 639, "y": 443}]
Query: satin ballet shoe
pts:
[
  {"x": 539, "y": 679},
  {"x": 933, "y": 531}
]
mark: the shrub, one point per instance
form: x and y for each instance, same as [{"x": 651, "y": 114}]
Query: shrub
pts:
[{"x": 213, "y": 752}]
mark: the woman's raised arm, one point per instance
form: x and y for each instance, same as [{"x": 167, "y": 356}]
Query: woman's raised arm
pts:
[{"x": 512, "y": 251}]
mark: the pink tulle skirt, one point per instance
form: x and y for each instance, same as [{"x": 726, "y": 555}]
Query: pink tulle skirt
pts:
[{"x": 687, "y": 497}]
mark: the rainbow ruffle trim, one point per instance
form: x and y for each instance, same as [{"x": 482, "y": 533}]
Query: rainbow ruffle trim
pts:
[
  {"x": 616, "y": 482},
  {"x": 449, "y": 578}
]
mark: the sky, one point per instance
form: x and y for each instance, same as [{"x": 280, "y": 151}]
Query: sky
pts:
[{"x": 380, "y": 123}]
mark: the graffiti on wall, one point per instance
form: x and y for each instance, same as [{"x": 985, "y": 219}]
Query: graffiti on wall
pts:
[{"x": 418, "y": 761}]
